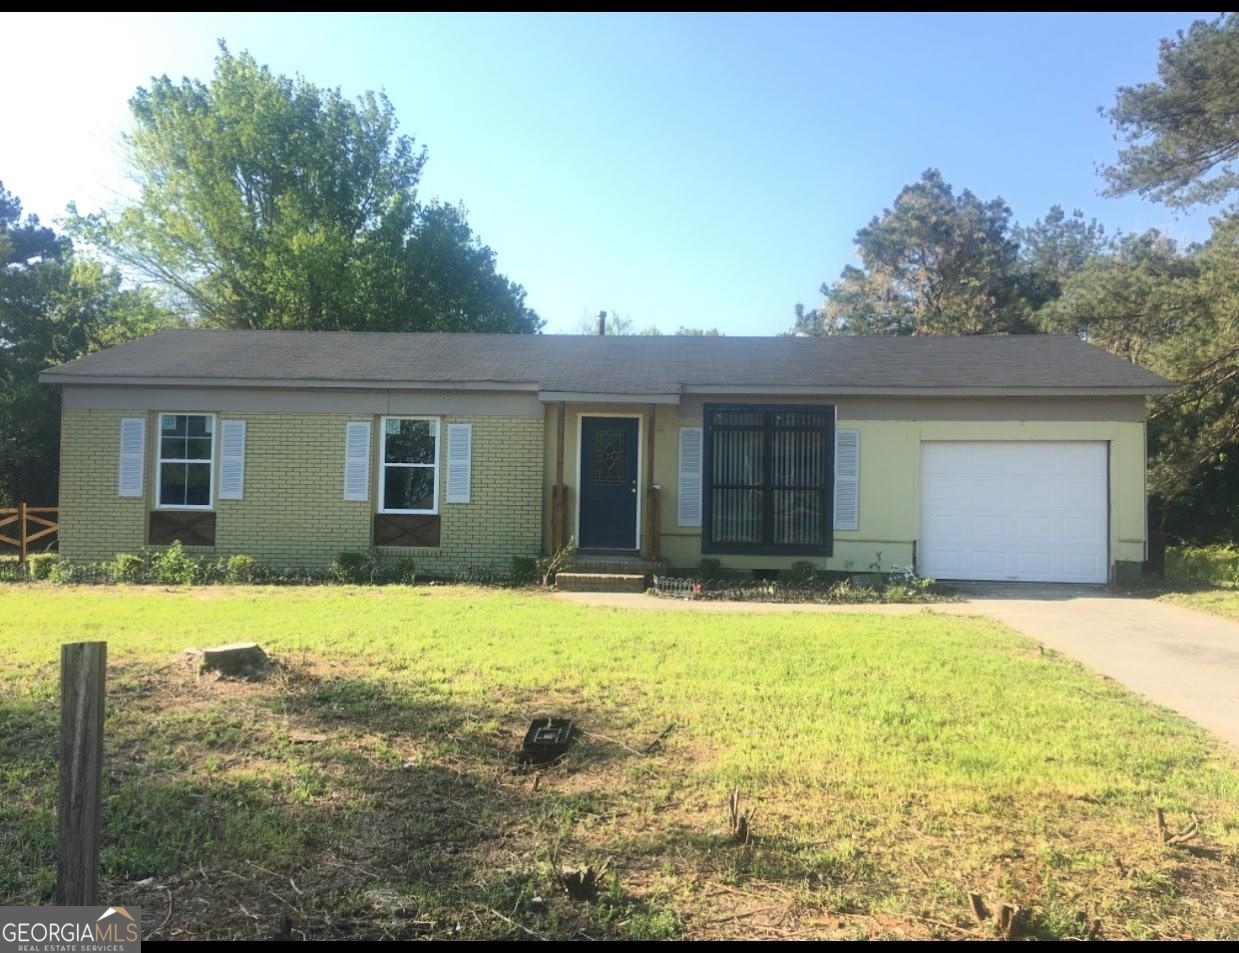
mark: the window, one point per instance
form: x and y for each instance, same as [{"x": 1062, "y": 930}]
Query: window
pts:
[
  {"x": 410, "y": 471},
  {"x": 768, "y": 480},
  {"x": 186, "y": 461}
]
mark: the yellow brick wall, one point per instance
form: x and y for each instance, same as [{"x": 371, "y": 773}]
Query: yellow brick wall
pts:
[
  {"x": 95, "y": 523},
  {"x": 504, "y": 515},
  {"x": 294, "y": 514}
]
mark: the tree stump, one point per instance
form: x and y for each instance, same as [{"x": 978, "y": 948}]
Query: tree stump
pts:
[{"x": 242, "y": 660}]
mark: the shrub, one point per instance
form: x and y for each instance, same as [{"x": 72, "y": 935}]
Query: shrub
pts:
[
  {"x": 524, "y": 570},
  {"x": 293, "y": 576},
  {"x": 402, "y": 570},
  {"x": 1216, "y": 565},
  {"x": 356, "y": 568},
  {"x": 40, "y": 565},
  {"x": 711, "y": 568},
  {"x": 239, "y": 569},
  {"x": 11, "y": 570},
  {"x": 801, "y": 573},
  {"x": 63, "y": 572},
  {"x": 904, "y": 585},
  {"x": 174, "y": 567},
  {"x": 126, "y": 568},
  {"x": 474, "y": 575}
]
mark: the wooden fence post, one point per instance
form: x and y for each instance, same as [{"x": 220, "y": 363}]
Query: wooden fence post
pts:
[
  {"x": 21, "y": 533},
  {"x": 82, "y": 669}
]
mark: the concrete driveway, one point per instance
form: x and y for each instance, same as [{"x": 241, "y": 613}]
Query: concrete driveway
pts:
[{"x": 1184, "y": 660}]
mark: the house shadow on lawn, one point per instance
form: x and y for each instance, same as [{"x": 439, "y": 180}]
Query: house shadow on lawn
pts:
[{"x": 29, "y": 733}]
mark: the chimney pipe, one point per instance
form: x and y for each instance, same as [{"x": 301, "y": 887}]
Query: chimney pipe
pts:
[{"x": 602, "y": 323}]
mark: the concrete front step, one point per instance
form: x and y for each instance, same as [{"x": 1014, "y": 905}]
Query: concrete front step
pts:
[
  {"x": 597, "y": 564},
  {"x": 599, "y": 582}
]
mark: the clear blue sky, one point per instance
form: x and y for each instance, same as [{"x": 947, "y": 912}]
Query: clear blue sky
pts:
[{"x": 706, "y": 170}]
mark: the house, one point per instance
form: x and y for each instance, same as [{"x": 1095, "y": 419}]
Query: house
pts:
[{"x": 1008, "y": 458}]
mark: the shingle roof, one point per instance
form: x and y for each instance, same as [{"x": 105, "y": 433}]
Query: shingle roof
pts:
[{"x": 614, "y": 365}]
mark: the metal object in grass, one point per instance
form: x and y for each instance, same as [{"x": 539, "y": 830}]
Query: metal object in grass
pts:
[{"x": 546, "y": 741}]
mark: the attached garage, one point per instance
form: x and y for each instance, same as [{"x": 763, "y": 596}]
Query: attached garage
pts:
[{"x": 1027, "y": 511}]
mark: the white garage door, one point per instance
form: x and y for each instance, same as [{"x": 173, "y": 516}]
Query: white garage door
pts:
[{"x": 1034, "y": 512}]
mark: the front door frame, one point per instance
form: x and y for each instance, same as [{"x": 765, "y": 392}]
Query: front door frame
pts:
[{"x": 580, "y": 454}]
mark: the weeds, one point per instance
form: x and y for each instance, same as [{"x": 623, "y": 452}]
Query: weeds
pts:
[
  {"x": 562, "y": 559},
  {"x": 804, "y": 584},
  {"x": 1208, "y": 565}
]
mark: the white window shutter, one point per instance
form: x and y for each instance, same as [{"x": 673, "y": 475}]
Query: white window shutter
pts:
[
  {"x": 132, "y": 451},
  {"x": 459, "y": 462},
  {"x": 357, "y": 460},
  {"x": 847, "y": 479},
  {"x": 688, "y": 511},
  {"x": 232, "y": 459}
]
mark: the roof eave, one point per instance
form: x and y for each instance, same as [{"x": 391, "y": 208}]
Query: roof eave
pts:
[
  {"x": 606, "y": 397},
  {"x": 933, "y": 391},
  {"x": 52, "y": 376},
  {"x": 97, "y": 380}
]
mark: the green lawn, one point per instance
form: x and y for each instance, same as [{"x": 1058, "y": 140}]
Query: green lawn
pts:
[
  {"x": 1223, "y": 602},
  {"x": 366, "y": 790}
]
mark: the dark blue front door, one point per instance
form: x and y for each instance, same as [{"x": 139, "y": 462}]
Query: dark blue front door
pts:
[{"x": 608, "y": 483}]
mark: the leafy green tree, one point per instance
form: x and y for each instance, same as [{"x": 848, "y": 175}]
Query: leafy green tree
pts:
[
  {"x": 267, "y": 202},
  {"x": 53, "y": 307},
  {"x": 1130, "y": 300},
  {"x": 449, "y": 281},
  {"x": 933, "y": 263},
  {"x": 24, "y": 241},
  {"x": 1197, "y": 427},
  {"x": 1053, "y": 249},
  {"x": 1174, "y": 311},
  {"x": 1181, "y": 133},
  {"x": 1145, "y": 300},
  {"x": 1180, "y": 138}
]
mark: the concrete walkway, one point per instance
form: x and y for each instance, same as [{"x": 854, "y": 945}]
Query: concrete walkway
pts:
[{"x": 1184, "y": 660}]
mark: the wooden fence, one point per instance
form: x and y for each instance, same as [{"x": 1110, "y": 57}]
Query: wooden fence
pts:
[{"x": 44, "y": 519}]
